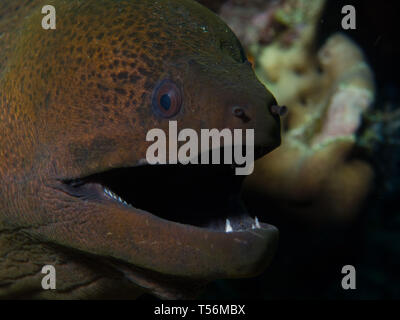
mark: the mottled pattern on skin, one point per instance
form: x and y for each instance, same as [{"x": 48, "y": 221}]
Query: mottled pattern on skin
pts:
[{"x": 77, "y": 101}]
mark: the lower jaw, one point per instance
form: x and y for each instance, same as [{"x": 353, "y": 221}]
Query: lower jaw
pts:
[
  {"x": 231, "y": 246},
  {"x": 182, "y": 251},
  {"x": 250, "y": 254}
]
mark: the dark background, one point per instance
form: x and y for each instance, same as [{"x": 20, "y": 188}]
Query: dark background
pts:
[
  {"x": 378, "y": 33},
  {"x": 309, "y": 259}
]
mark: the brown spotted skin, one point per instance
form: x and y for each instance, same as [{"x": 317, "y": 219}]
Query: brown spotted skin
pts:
[{"x": 76, "y": 101}]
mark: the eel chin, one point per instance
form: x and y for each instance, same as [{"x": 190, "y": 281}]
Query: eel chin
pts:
[{"x": 199, "y": 202}]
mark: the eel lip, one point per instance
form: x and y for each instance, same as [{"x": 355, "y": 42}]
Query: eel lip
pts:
[
  {"x": 237, "y": 255},
  {"x": 178, "y": 221},
  {"x": 189, "y": 287}
]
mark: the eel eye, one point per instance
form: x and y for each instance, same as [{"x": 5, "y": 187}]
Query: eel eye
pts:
[{"x": 167, "y": 99}]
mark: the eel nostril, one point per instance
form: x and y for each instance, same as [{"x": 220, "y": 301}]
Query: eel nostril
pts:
[
  {"x": 239, "y": 112},
  {"x": 279, "y": 110}
]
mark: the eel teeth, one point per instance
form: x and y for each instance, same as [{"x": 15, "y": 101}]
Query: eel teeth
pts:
[
  {"x": 257, "y": 223},
  {"x": 228, "y": 227},
  {"x": 114, "y": 196}
]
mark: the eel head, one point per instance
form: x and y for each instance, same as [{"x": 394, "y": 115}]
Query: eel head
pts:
[{"x": 84, "y": 98}]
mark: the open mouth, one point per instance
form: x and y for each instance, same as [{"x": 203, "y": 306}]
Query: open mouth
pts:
[
  {"x": 205, "y": 196},
  {"x": 179, "y": 221}
]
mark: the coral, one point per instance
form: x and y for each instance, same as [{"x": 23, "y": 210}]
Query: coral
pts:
[
  {"x": 263, "y": 21},
  {"x": 316, "y": 174},
  {"x": 252, "y": 21}
]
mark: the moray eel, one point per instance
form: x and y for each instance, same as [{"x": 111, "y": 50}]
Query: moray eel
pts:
[{"x": 75, "y": 193}]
